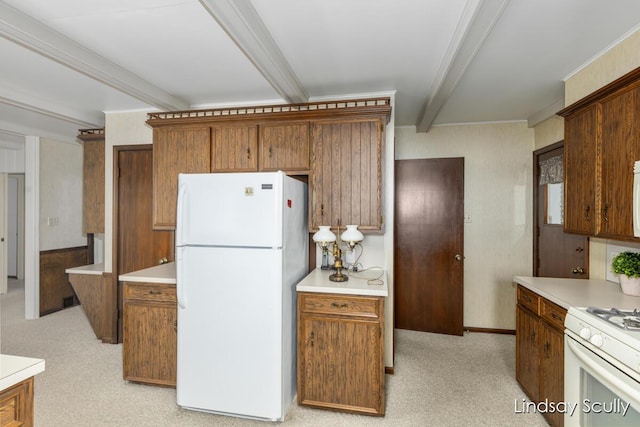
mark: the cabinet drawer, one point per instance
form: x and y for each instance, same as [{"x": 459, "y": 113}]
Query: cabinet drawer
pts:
[
  {"x": 150, "y": 292},
  {"x": 553, "y": 314},
  {"x": 529, "y": 299},
  {"x": 344, "y": 305}
]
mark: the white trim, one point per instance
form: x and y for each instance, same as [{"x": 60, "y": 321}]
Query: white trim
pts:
[
  {"x": 545, "y": 113},
  {"x": 32, "y": 228},
  {"x": 243, "y": 24}
]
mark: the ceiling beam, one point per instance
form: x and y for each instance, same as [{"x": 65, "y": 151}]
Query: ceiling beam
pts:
[
  {"x": 239, "y": 19},
  {"x": 477, "y": 21},
  {"x": 34, "y": 35}
]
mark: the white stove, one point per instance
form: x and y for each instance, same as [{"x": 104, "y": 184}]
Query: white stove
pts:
[{"x": 602, "y": 366}]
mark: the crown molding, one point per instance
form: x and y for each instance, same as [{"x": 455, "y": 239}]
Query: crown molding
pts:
[
  {"x": 36, "y": 36},
  {"x": 542, "y": 115},
  {"x": 477, "y": 21},
  {"x": 239, "y": 19}
]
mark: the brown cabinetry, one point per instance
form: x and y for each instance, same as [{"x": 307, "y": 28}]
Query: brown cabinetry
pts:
[
  {"x": 92, "y": 180},
  {"x": 540, "y": 350},
  {"x": 602, "y": 142},
  {"x": 176, "y": 150},
  {"x": 346, "y": 173},
  {"x": 235, "y": 148},
  {"x": 150, "y": 333},
  {"x": 340, "y": 352},
  {"x": 337, "y": 143},
  {"x": 284, "y": 146}
]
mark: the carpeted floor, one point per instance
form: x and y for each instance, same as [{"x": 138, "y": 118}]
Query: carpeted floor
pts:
[{"x": 439, "y": 380}]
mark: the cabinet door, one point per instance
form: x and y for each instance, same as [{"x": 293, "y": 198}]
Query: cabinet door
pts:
[
  {"x": 340, "y": 364},
  {"x": 580, "y": 172},
  {"x": 176, "y": 150},
  {"x": 527, "y": 338},
  {"x": 552, "y": 370},
  {"x": 93, "y": 186},
  {"x": 284, "y": 147},
  {"x": 619, "y": 148},
  {"x": 235, "y": 149},
  {"x": 150, "y": 342},
  {"x": 346, "y": 174}
]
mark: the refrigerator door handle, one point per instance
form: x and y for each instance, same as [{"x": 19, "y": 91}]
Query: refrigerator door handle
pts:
[{"x": 180, "y": 291}]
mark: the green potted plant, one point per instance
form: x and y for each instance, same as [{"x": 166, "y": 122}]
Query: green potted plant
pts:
[{"x": 627, "y": 266}]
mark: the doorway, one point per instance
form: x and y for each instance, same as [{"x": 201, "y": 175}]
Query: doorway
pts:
[
  {"x": 555, "y": 253},
  {"x": 428, "y": 245},
  {"x": 137, "y": 245}
]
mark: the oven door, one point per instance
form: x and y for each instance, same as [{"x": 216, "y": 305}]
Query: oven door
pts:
[{"x": 601, "y": 392}]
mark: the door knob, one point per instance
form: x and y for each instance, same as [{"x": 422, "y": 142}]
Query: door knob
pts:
[
  {"x": 458, "y": 257},
  {"x": 578, "y": 270},
  {"x": 163, "y": 260}
]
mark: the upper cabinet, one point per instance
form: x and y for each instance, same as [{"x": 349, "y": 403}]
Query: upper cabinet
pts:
[
  {"x": 284, "y": 146},
  {"x": 602, "y": 142},
  {"x": 346, "y": 173},
  {"x": 92, "y": 180},
  {"x": 176, "y": 150},
  {"x": 337, "y": 143}
]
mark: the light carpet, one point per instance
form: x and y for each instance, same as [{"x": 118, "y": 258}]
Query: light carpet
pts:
[{"x": 439, "y": 380}]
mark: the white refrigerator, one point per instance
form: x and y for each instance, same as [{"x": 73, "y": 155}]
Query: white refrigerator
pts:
[{"x": 241, "y": 248}]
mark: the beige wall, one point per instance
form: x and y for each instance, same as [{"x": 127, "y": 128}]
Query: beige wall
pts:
[
  {"x": 498, "y": 197},
  {"x": 60, "y": 195}
]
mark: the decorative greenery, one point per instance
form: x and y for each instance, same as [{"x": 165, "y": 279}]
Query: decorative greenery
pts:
[{"x": 626, "y": 263}]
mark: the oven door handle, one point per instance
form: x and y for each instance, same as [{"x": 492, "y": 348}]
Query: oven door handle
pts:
[{"x": 587, "y": 358}]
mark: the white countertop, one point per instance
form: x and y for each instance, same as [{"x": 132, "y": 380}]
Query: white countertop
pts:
[
  {"x": 95, "y": 269},
  {"x": 14, "y": 369},
  {"x": 163, "y": 273},
  {"x": 358, "y": 283},
  {"x": 580, "y": 292}
]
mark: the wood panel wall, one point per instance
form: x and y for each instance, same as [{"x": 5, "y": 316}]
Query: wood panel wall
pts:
[{"x": 56, "y": 292}]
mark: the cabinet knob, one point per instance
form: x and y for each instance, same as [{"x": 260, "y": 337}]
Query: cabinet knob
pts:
[
  {"x": 605, "y": 210},
  {"x": 248, "y": 153},
  {"x": 587, "y": 211}
]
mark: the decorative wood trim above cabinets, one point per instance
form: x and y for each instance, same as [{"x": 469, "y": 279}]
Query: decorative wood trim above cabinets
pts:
[{"x": 309, "y": 110}]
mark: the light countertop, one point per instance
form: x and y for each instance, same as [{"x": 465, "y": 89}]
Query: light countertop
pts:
[
  {"x": 94, "y": 269},
  {"x": 358, "y": 283},
  {"x": 163, "y": 273},
  {"x": 580, "y": 292},
  {"x": 14, "y": 369}
]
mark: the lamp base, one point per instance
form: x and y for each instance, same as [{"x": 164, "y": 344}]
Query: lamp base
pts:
[{"x": 338, "y": 277}]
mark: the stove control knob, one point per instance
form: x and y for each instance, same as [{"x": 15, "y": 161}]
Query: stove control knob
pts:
[
  {"x": 596, "y": 340},
  {"x": 585, "y": 333}
]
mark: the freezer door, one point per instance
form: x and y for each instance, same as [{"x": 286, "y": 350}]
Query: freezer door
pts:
[
  {"x": 231, "y": 343},
  {"x": 230, "y": 209}
]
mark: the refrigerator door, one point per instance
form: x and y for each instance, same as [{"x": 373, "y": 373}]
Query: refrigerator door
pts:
[
  {"x": 230, "y": 209},
  {"x": 230, "y": 338}
]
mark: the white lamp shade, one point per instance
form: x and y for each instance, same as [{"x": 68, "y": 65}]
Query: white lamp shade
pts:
[
  {"x": 352, "y": 235},
  {"x": 324, "y": 235}
]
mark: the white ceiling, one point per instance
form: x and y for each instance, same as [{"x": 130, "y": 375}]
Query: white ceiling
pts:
[{"x": 66, "y": 62}]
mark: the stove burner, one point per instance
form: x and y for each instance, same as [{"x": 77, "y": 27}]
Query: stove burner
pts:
[{"x": 629, "y": 320}]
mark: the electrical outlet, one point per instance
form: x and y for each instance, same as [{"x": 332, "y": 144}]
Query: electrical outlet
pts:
[
  {"x": 467, "y": 217},
  {"x": 52, "y": 221}
]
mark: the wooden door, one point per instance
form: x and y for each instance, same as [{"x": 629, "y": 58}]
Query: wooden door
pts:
[
  {"x": 556, "y": 253},
  {"x": 234, "y": 148},
  {"x": 619, "y": 148},
  {"x": 428, "y": 247},
  {"x": 580, "y": 172},
  {"x": 138, "y": 246},
  {"x": 284, "y": 146}
]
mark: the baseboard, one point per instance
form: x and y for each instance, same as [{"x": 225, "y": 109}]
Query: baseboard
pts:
[{"x": 490, "y": 330}]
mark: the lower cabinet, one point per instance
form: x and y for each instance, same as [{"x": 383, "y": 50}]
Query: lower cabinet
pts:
[
  {"x": 540, "y": 350},
  {"x": 340, "y": 352},
  {"x": 150, "y": 333},
  {"x": 16, "y": 405}
]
